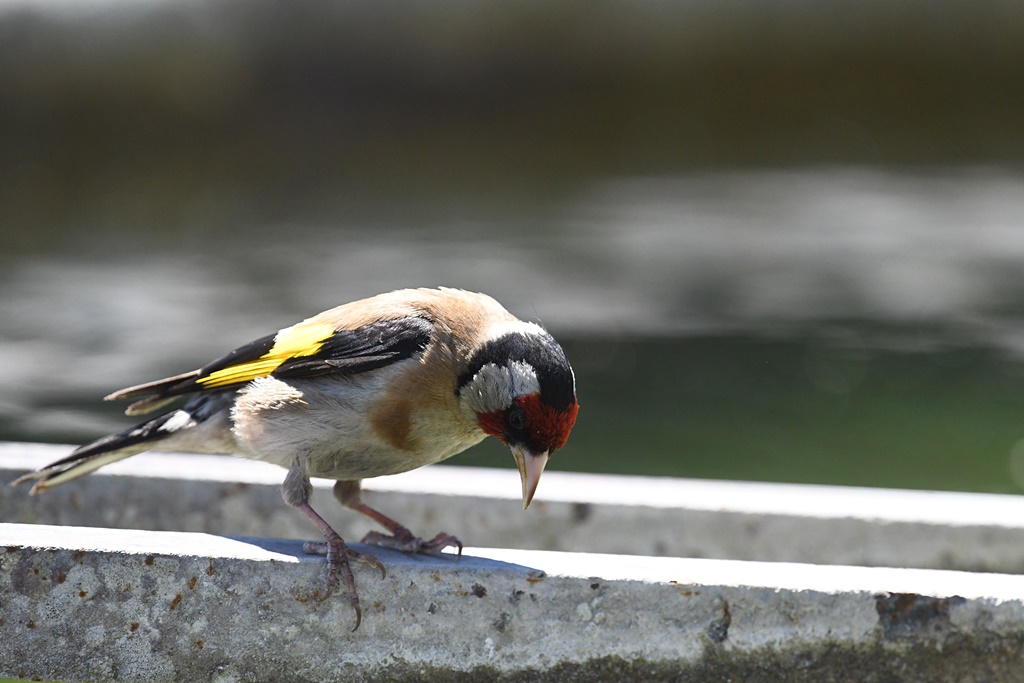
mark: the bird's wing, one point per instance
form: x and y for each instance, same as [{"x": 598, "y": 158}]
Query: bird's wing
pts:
[{"x": 310, "y": 348}]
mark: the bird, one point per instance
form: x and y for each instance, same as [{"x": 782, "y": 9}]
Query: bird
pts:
[{"x": 373, "y": 387}]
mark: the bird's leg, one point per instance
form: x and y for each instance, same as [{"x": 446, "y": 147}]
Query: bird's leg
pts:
[
  {"x": 296, "y": 491},
  {"x": 348, "y": 494}
]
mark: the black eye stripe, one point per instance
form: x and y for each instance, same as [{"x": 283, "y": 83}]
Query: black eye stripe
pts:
[
  {"x": 516, "y": 418},
  {"x": 516, "y": 430}
]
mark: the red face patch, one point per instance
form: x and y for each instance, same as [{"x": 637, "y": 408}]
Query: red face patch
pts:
[
  {"x": 492, "y": 423},
  {"x": 547, "y": 429}
]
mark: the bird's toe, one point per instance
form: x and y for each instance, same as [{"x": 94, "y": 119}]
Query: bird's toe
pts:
[
  {"x": 338, "y": 556},
  {"x": 407, "y": 543}
]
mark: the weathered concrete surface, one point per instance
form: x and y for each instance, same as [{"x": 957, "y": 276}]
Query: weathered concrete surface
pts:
[
  {"x": 90, "y": 604},
  {"x": 572, "y": 512}
]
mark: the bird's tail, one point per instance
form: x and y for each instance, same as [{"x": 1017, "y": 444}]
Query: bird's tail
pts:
[{"x": 172, "y": 430}]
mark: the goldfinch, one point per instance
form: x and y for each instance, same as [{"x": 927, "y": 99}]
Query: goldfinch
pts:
[{"x": 374, "y": 387}]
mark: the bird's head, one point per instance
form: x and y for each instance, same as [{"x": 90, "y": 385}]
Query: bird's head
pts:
[{"x": 521, "y": 389}]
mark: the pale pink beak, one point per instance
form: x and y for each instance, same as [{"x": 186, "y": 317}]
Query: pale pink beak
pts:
[{"x": 531, "y": 466}]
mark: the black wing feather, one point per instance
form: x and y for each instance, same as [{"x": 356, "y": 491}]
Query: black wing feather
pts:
[
  {"x": 372, "y": 346},
  {"x": 254, "y": 350},
  {"x": 346, "y": 352}
]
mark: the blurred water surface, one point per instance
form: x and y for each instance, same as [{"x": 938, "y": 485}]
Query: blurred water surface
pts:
[
  {"x": 830, "y": 324},
  {"x": 780, "y": 241}
]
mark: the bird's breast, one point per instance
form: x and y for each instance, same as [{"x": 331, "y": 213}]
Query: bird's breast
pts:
[
  {"x": 417, "y": 413},
  {"x": 383, "y": 422}
]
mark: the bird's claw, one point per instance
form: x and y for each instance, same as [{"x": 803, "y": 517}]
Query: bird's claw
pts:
[
  {"x": 338, "y": 556},
  {"x": 407, "y": 543}
]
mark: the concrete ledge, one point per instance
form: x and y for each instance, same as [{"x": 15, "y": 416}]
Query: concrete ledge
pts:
[
  {"x": 572, "y": 512},
  {"x": 89, "y": 604}
]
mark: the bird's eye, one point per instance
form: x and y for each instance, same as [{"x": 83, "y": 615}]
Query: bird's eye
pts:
[{"x": 516, "y": 419}]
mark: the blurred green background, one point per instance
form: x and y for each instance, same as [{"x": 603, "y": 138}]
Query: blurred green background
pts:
[{"x": 779, "y": 241}]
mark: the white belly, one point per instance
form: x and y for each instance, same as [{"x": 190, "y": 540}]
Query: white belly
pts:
[{"x": 326, "y": 423}]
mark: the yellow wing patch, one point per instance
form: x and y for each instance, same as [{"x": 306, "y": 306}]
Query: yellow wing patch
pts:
[{"x": 304, "y": 339}]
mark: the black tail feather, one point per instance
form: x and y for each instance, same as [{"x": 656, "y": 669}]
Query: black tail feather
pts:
[{"x": 141, "y": 437}]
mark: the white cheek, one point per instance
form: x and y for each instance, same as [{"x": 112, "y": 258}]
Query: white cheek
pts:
[
  {"x": 490, "y": 390},
  {"x": 524, "y": 379},
  {"x": 494, "y": 388}
]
